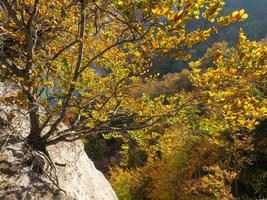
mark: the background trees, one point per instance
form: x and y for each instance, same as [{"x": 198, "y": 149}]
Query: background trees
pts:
[
  {"x": 254, "y": 27},
  {"x": 211, "y": 148}
]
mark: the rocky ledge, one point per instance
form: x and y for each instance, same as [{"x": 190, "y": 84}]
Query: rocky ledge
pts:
[{"x": 66, "y": 173}]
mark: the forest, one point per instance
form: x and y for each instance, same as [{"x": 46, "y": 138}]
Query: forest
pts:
[{"x": 168, "y": 96}]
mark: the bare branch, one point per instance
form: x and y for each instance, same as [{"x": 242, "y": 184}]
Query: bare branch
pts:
[
  {"x": 76, "y": 72},
  {"x": 33, "y": 14},
  {"x": 31, "y": 42}
]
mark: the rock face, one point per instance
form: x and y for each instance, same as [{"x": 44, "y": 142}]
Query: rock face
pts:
[
  {"x": 77, "y": 173},
  {"x": 67, "y": 173}
]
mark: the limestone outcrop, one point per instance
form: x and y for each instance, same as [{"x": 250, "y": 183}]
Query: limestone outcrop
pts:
[{"x": 65, "y": 174}]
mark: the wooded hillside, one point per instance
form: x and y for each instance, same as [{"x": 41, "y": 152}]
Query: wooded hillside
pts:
[{"x": 100, "y": 69}]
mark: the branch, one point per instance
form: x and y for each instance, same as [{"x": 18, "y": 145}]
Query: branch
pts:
[
  {"x": 102, "y": 53},
  {"x": 114, "y": 45},
  {"x": 64, "y": 49},
  {"x": 12, "y": 13},
  {"x": 113, "y": 93},
  {"x": 34, "y": 116},
  {"x": 110, "y": 13},
  {"x": 68, "y": 136},
  {"x": 29, "y": 36},
  {"x": 75, "y": 75},
  {"x": 13, "y": 67},
  {"x": 33, "y": 14}
]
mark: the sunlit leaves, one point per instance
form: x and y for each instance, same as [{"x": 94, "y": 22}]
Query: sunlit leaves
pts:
[
  {"x": 229, "y": 86},
  {"x": 87, "y": 56},
  {"x": 213, "y": 9},
  {"x": 233, "y": 17}
]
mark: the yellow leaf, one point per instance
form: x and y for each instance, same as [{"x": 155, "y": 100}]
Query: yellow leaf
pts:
[
  {"x": 244, "y": 16},
  {"x": 165, "y": 10}
]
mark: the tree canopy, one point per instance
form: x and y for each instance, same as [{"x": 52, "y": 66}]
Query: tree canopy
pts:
[
  {"x": 86, "y": 64},
  {"x": 84, "y": 55}
]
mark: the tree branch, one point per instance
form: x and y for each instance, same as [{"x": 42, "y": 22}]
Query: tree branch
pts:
[
  {"x": 29, "y": 37},
  {"x": 64, "y": 49},
  {"x": 76, "y": 72},
  {"x": 12, "y": 13}
]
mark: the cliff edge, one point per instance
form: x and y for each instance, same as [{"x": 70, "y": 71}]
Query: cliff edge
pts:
[{"x": 66, "y": 173}]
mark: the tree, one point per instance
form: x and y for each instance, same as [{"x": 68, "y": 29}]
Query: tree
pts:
[
  {"x": 212, "y": 149},
  {"x": 80, "y": 57}
]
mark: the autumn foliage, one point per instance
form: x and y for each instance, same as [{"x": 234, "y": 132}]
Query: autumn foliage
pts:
[
  {"x": 86, "y": 63},
  {"x": 211, "y": 145}
]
